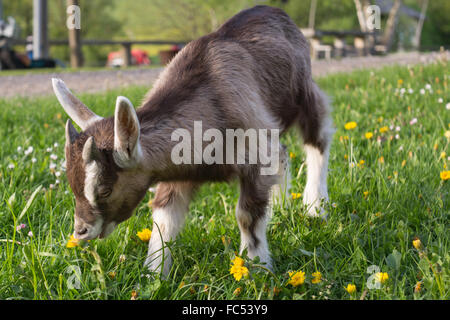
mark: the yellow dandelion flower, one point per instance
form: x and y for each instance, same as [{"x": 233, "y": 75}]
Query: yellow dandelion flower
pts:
[
  {"x": 381, "y": 160},
  {"x": 58, "y": 116},
  {"x": 417, "y": 243},
  {"x": 443, "y": 154},
  {"x": 445, "y": 175},
  {"x": 296, "y": 278},
  {"x": 368, "y": 135},
  {"x": 447, "y": 134},
  {"x": 46, "y": 125},
  {"x": 382, "y": 277},
  {"x": 384, "y": 129},
  {"x": 73, "y": 242},
  {"x": 345, "y": 156},
  {"x": 112, "y": 274},
  {"x": 351, "y": 288},
  {"x": 403, "y": 163},
  {"x": 350, "y": 125},
  {"x": 317, "y": 277},
  {"x": 238, "y": 272},
  {"x": 366, "y": 193},
  {"x": 295, "y": 195},
  {"x": 400, "y": 82},
  {"x": 291, "y": 155},
  {"x": 418, "y": 287},
  {"x": 144, "y": 235},
  {"x": 435, "y": 146},
  {"x": 237, "y": 261}
]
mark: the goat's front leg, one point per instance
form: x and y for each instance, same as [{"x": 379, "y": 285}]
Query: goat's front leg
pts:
[
  {"x": 170, "y": 206},
  {"x": 251, "y": 215}
]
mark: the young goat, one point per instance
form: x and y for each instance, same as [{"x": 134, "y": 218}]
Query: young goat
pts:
[{"x": 252, "y": 73}]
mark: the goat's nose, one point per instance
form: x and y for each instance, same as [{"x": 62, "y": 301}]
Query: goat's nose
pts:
[{"x": 82, "y": 231}]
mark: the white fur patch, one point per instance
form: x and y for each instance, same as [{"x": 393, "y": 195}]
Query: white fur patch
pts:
[
  {"x": 262, "y": 249},
  {"x": 167, "y": 223},
  {"x": 91, "y": 181}
]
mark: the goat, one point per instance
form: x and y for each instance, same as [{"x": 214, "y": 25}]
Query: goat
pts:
[{"x": 253, "y": 72}]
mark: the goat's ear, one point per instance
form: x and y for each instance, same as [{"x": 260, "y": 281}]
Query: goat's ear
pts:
[
  {"x": 127, "y": 147},
  {"x": 90, "y": 151},
  {"x": 71, "y": 133},
  {"x": 74, "y": 107}
]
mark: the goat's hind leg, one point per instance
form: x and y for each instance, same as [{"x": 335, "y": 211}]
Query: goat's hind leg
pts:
[{"x": 317, "y": 131}]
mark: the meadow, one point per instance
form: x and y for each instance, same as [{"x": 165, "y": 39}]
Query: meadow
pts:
[{"x": 386, "y": 237}]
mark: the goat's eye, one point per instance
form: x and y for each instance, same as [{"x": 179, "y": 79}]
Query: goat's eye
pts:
[{"x": 104, "y": 192}]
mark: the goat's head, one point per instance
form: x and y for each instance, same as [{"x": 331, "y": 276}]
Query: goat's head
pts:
[{"x": 103, "y": 163}]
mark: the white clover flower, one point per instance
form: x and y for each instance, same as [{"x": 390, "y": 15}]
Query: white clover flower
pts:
[
  {"x": 57, "y": 181},
  {"x": 57, "y": 173},
  {"x": 52, "y": 186},
  {"x": 397, "y": 128},
  {"x": 447, "y": 106},
  {"x": 410, "y": 91},
  {"x": 49, "y": 149},
  {"x": 30, "y": 234},
  {"x": 34, "y": 160},
  {"x": 422, "y": 91},
  {"x": 11, "y": 166},
  {"x": 352, "y": 164},
  {"x": 428, "y": 86},
  {"x": 440, "y": 100},
  {"x": 397, "y": 136},
  {"x": 52, "y": 166},
  {"x": 28, "y": 151},
  {"x": 53, "y": 156},
  {"x": 19, "y": 149},
  {"x": 402, "y": 91},
  {"x": 56, "y": 145}
]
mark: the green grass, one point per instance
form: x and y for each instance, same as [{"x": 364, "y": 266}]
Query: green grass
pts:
[{"x": 406, "y": 199}]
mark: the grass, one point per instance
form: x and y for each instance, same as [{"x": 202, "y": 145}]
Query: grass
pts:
[{"x": 377, "y": 208}]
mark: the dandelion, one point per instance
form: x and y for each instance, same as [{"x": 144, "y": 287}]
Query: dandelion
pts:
[
  {"x": 413, "y": 121},
  {"x": 417, "y": 243},
  {"x": 447, "y": 134},
  {"x": 296, "y": 278},
  {"x": 351, "y": 288},
  {"x": 443, "y": 154},
  {"x": 418, "y": 287},
  {"x": 73, "y": 242},
  {"x": 400, "y": 82},
  {"x": 46, "y": 125},
  {"x": 368, "y": 135},
  {"x": 237, "y": 269},
  {"x": 237, "y": 291},
  {"x": 382, "y": 277},
  {"x": 350, "y": 125},
  {"x": 403, "y": 163},
  {"x": 144, "y": 235},
  {"x": 381, "y": 160},
  {"x": 384, "y": 129},
  {"x": 112, "y": 274},
  {"x": 291, "y": 155},
  {"x": 366, "y": 193},
  {"x": 445, "y": 175},
  {"x": 317, "y": 277},
  {"x": 295, "y": 196}
]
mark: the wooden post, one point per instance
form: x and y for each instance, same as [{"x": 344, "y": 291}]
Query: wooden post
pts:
[
  {"x": 40, "y": 35},
  {"x": 126, "y": 54},
  {"x": 76, "y": 55}
]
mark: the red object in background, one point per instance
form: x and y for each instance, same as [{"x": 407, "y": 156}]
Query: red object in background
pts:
[{"x": 138, "y": 57}]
